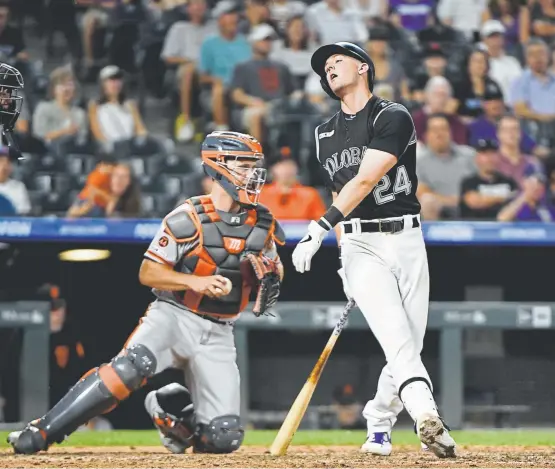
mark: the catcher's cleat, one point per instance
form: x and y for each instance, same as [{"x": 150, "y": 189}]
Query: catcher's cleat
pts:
[
  {"x": 30, "y": 440},
  {"x": 174, "y": 432},
  {"x": 434, "y": 434}
]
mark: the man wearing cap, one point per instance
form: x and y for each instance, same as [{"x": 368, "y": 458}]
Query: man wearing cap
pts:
[
  {"x": 259, "y": 82},
  {"x": 485, "y": 193},
  {"x": 329, "y": 21},
  {"x": 435, "y": 64},
  {"x": 504, "y": 69},
  {"x": 368, "y": 150},
  {"x": 219, "y": 54},
  {"x": 485, "y": 126}
]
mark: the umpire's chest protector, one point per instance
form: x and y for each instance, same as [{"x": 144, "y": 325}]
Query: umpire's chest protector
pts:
[{"x": 219, "y": 250}]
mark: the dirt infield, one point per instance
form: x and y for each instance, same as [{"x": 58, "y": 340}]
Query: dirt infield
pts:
[{"x": 298, "y": 457}]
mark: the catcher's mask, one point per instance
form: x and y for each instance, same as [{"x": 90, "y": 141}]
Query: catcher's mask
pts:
[
  {"x": 319, "y": 58},
  {"x": 234, "y": 160},
  {"x": 11, "y": 96}
]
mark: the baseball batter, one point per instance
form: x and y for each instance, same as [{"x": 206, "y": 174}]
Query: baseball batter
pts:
[
  {"x": 202, "y": 264},
  {"x": 368, "y": 153}
]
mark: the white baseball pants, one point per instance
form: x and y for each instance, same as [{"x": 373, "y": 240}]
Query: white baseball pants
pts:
[{"x": 387, "y": 275}]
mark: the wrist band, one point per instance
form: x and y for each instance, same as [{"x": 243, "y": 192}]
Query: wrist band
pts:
[{"x": 331, "y": 218}]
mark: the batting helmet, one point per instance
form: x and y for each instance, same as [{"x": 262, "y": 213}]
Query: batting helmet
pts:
[
  {"x": 322, "y": 54},
  {"x": 219, "y": 149}
]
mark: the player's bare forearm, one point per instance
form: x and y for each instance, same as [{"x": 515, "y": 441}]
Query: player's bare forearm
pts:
[
  {"x": 160, "y": 276},
  {"x": 374, "y": 166},
  {"x": 478, "y": 201}
]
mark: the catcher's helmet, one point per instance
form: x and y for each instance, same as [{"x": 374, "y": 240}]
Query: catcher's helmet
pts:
[
  {"x": 322, "y": 54},
  {"x": 242, "y": 184},
  {"x": 11, "y": 97}
]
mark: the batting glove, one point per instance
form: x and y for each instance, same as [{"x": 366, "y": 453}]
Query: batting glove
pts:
[{"x": 308, "y": 246}]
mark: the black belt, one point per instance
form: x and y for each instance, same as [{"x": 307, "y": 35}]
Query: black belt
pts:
[
  {"x": 214, "y": 320},
  {"x": 380, "y": 226}
]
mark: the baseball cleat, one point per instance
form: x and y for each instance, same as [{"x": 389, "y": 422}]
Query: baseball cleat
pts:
[
  {"x": 378, "y": 443},
  {"x": 175, "y": 436},
  {"x": 434, "y": 435},
  {"x": 30, "y": 440}
]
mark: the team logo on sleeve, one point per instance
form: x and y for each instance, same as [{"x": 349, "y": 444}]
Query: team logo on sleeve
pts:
[{"x": 163, "y": 241}]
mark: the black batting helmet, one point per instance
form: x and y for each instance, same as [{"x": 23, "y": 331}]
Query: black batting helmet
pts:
[{"x": 322, "y": 54}]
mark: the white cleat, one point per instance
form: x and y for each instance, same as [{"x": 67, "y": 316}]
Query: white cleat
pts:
[
  {"x": 378, "y": 443},
  {"x": 434, "y": 435}
]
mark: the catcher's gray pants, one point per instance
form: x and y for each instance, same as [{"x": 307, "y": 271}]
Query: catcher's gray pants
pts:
[
  {"x": 203, "y": 349},
  {"x": 387, "y": 275}
]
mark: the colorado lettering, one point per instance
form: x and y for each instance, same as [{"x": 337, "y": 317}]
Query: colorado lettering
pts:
[{"x": 348, "y": 157}]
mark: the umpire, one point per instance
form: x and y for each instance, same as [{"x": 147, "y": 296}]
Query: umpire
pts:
[{"x": 368, "y": 150}]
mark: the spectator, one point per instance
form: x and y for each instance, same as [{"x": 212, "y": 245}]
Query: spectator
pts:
[
  {"x": 286, "y": 198},
  {"x": 439, "y": 33},
  {"x": 14, "y": 199},
  {"x": 485, "y": 126},
  {"x": 282, "y": 11},
  {"x": 62, "y": 16},
  {"x": 533, "y": 94},
  {"x": 12, "y": 46},
  {"x": 219, "y": 55},
  {"x": 503, "y": 68},
  {"x": 515, "y": 18},
  {"x": 542, "y": 15},
  {"x": 470, "y": 91},
  {"x": 463, "y": 15},
  {"x": 369, "y": 10},
  {"x": 435, "y": 64},
  {"x": 439, "y": 100},
  {"x": 441, "y": 168},
  {"x": 531, "y": 204},
  {"x": 330, "y": 22},
  {"x": 26, "y": 141},
  {"x": 347, "y": 408},
  {"x": 295, "y": 51},
  {"x": 485, "y": 193},
  {"x": 60, "y": 122},
  {"x": 116, "y": 122},
  {"x": 94, "y": 22},
  {"x": 182, "y": 47},
  {"x": 512, "y": 162},
  {"x": 325, "y": 105},
  {"x": 256, "y": 12},
  {"x": 391, "y": 82},
  {"x": 93, "y": 199},
  {"x": 412, "y": 15},
  {"x": 259, "y": 83},
  {"x": 120, "y": 197}
]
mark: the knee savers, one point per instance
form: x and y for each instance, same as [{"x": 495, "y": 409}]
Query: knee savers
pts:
[
  {"x": 128, "y": 372},
  {"x": 222, "y": 435}
]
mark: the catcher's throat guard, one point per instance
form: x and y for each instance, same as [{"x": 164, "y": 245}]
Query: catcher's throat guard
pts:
[{"x": 234, "y": 160}]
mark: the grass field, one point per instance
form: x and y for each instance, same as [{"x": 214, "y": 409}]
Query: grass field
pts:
[{"x": 319, "y": 438}]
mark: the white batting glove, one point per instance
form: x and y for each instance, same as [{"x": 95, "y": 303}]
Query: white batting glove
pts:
[
  {"x": 308, "y": 246},
  {"x": 341, "y": 273}
]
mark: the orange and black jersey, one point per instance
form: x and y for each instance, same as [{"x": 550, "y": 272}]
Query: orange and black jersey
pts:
[{"x": 197, "y": 239}]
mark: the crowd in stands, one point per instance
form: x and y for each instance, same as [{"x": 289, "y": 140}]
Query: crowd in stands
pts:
[{"x": 478, "y": 77}]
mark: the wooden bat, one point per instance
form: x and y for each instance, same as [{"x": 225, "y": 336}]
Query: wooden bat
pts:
[{"x": 298, "y": 409}]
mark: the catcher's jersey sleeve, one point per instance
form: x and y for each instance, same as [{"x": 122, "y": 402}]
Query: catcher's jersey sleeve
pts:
[{"x": 168, "y": 246}]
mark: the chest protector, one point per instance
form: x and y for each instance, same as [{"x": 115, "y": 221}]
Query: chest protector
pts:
[{"x": 218, "y": 252}]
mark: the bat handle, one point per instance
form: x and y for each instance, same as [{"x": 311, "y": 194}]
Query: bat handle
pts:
[{"x": 344, "y": 315}]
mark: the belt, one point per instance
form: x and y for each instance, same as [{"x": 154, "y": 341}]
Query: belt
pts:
[
  {"x": 214, "y": 320},
  {"x": 381, "y": 226}
]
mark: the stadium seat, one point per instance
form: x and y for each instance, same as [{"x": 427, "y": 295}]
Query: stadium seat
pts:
[
  {"x": 79, "y": 164},
  {"x": 153, "y": 204},
  {"x": 37, "y": 199},
  {"x": 56, "y": 202},
  {"x": 175, "y": 164},
  {"x": 169, "y": 184},
  {"x": 50, "y": 183},
  {"x": 49, "y": 162}
]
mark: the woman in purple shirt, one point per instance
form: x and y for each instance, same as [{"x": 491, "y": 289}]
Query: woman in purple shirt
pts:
[
  {"x": 413, "y": 15},
  {"x": 531, "y": 204}
]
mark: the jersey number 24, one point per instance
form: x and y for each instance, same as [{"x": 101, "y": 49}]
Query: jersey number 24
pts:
[{"x": 402, "y": 184}]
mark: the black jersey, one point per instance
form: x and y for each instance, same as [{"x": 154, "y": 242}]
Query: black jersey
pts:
[{"x": 382, "y": 125}]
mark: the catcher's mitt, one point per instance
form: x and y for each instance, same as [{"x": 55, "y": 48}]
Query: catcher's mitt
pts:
[{"x": 266, "y": 272}]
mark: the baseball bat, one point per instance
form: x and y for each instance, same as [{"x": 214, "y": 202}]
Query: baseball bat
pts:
[{"x": 298, "y": 409}]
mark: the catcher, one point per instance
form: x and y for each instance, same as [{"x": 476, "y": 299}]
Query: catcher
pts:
[{"x": 202, "y": 264}]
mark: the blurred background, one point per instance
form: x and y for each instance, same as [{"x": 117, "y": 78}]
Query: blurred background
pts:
[{"x": 120, "y": 93}]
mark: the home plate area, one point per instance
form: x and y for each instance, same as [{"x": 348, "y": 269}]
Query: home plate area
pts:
[{"x": 296, "y": 457}]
